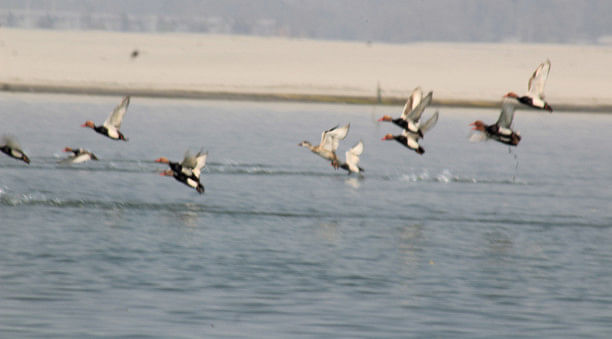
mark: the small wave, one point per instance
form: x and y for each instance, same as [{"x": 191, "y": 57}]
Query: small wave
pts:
[
  {"x": 38, "y": 199},
  {"x": 430, "y": 214}
]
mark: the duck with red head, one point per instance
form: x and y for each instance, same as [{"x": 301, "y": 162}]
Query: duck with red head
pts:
[
  {"x": 10, "y": 146},
  {"x": 501, "y": 130},
  {"x": 78, "y": 155},
  {"x": 407, "y": 139},
  {"x": 110, "y": 127},
  {"x": 175, "y": 166},
  {"x": 413, "y": 109},
  {"x": 190, "y": 166},
  {"x": 410, "y": 139},
  {"x": 187, "y": 180},
  {"x": 535, "y": 94}
]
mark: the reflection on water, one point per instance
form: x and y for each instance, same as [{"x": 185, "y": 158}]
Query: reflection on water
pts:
[
  {"x": 410, "y": 238},
  {"x": 353, "y": 182},
  {"x": 188, "y": 218},
  {"x": 328, "y": 231}
]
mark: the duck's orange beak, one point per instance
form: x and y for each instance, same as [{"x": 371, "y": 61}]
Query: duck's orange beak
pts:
[
  {"x": 166, "y": 173},
  {"x": 67, "y": 149}
]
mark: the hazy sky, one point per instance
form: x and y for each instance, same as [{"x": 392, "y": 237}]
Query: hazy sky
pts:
[{"x": 557, "y": 21}]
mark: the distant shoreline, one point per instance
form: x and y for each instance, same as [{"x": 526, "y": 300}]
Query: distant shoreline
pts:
[{"x": 269, "y": 97}]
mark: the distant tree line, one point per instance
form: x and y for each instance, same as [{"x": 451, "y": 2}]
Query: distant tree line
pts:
[{"x": 550, "y": 21}]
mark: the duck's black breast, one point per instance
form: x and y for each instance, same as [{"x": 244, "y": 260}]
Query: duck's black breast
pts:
[
  {"x": 175, "y": 167},
  {"x": 401, "y": 139},
  {"x": 526, "y": 100},
  {"x": 101, "y": 129},
  {"x": 401, "y": 123},
  {"x": 6, "y": 150}
]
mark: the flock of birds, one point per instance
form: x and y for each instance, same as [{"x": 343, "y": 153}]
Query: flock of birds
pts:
[
  {"x": 413, "y": 129},
  {"x": 188, "y": 171}
]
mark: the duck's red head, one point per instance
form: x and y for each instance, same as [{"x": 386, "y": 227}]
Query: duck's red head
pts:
[
  {"x": 88, "y": 123},
  {"x": 511, "y": 95},
  {"x": 385, "y": 118},
  {"x": 163, "y": 160},
  {"x": 478, "y": 125},
  {"x": 167, "y": 173},
  {"x": 67, "y": 149},
  {"x": 387, "y": 137}
]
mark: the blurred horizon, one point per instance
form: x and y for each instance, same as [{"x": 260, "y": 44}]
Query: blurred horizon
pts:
[{"x": 390, "y": 21}]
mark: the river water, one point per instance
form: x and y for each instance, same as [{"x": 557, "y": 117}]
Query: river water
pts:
[{"x": 468, "y": 240}]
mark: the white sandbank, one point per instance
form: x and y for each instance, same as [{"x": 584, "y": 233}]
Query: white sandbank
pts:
[{"x": 200, "y": 63}]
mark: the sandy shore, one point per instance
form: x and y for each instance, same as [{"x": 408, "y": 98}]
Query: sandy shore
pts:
[{"x": 255, "y": 68}]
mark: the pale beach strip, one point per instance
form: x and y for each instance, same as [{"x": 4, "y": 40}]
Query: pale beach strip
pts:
[{"x": 281, "y": 69}]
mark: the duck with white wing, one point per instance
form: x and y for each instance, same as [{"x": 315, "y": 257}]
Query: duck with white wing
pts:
[{"x": 330, "y": 140}]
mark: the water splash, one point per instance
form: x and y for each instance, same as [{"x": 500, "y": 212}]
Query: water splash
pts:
[{"x": 447, "y": 177}]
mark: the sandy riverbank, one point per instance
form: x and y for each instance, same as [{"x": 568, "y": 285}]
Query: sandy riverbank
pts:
[{"x": 255, "y": 68}]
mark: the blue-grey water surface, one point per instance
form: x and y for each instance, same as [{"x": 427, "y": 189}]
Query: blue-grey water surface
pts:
[{"x": 468, "y": 240}]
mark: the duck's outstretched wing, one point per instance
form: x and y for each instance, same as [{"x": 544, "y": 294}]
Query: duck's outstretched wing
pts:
[
  {"x": 412, "y": 102},
  {"x": 200, "y": 163},
  {"x": 507, "y": 114},
  {"x": 189, "y": 161},
  {"x": 538, "y": 80},
  {"x": 116, "y": 117},
  {"x": 430, "y": 123},
  {"x": 330, "y": 139},
  {"x": 415, "y": 114},
  {"x": 352, "y": 155}
]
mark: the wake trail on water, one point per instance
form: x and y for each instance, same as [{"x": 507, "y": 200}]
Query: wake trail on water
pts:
[
  {"x": 150, "y": 166},
  {"x": 145, "y": 166},
  {"x": 41, "y": 200}
]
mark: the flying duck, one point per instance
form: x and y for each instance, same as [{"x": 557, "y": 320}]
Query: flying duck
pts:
[
  {"x": 190, "y": 166},
  {"x": 79, "y": 155},
  {"x": 110, "y": 127},
  {"x": 413, "y": 109},
  {"x": 188, "y": 171},
  {"x": 185, "y": 179},
  {"x": 329, "y": 143},
  {"x": 410, "y": 139},
  {"x": 535, "y": 93},
  {"x": 501, "y": 130},
  {"x": 10, "y": 146},
  {"x": 351, "y": 163}
]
